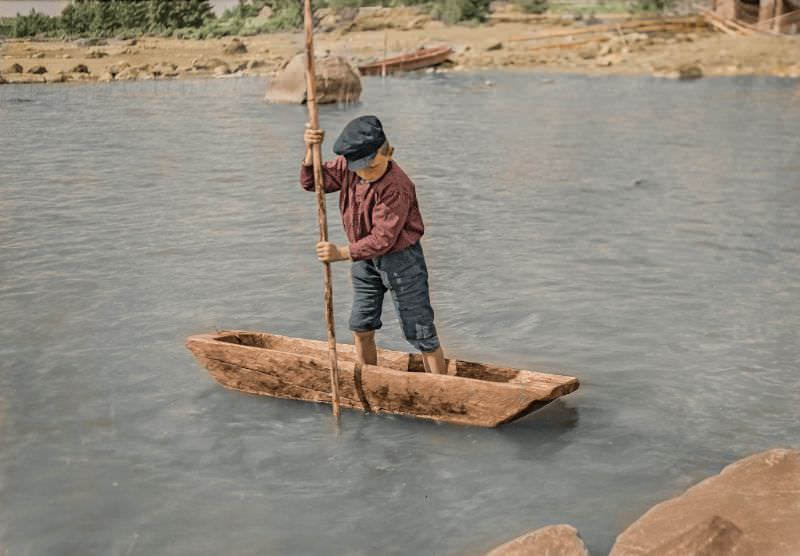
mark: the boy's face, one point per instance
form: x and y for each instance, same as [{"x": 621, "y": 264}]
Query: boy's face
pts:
[{"x": 377, "y": 168}]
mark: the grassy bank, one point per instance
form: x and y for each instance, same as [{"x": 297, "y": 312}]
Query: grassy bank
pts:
[{"x": 194, "y": 19}]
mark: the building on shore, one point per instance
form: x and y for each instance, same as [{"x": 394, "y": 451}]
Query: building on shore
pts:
[{"x": 780, "y": 16}]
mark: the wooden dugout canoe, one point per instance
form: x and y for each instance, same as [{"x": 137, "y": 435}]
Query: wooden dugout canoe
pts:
[
  {"x": 295, "y": 368},
  {"x": 422, "y": 58}
]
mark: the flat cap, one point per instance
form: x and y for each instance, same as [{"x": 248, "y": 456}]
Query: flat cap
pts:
[{"x": 359, "y": 141}]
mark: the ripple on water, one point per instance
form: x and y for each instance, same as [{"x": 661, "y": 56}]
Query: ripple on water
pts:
[{"x": 566, "y": 231}]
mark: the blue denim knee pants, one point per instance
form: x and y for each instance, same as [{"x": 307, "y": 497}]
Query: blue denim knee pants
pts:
[{"x": 405, "y": 275}]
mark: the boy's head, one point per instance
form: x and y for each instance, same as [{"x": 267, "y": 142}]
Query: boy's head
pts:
[{"x": 364, "y": 145}]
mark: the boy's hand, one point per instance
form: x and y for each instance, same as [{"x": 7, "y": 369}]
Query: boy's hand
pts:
[
  {"x": 329, "y": 252},
  {"x": 313, "y": 136}
]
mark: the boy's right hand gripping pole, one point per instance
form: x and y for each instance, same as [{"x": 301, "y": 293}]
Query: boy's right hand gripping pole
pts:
[{"x": 316, "y": 155}]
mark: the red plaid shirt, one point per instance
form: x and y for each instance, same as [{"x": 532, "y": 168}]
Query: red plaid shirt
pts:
[{"x": 379, "y": 217}]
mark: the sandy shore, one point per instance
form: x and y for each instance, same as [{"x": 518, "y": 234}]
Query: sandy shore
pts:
[{"x": 495, "y": 45}]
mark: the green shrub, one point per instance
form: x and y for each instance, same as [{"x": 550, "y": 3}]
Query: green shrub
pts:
[
  {"x": 652, "y": 5},
  {"x": 454, "y": 11},
  {"x": 533, "y": 6}
]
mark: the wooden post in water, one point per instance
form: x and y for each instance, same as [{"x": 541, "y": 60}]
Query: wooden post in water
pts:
[{"x": 316, "y": 154}]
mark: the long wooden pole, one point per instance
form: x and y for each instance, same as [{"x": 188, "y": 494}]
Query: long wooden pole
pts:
[{"x": 316, "y": 154}]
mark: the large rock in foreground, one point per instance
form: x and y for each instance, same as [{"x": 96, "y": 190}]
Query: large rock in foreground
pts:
[
  {"x": 751, "y": 508},
  {"x": 553, "y": 540},
  {"x": 337, "y": 81}
]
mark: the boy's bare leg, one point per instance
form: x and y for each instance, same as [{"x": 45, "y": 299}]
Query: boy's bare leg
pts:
[
  {"x": 434, "y": 361},
  {"x": 366, "y": 352}
]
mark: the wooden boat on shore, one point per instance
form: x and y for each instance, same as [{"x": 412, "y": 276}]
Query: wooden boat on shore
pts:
[
  {"x": 295, "y": 368},
  {"x": 422, "y": 58}
]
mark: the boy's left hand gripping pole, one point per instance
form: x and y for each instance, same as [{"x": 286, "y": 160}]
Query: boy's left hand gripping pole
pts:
[{"x": 311, "y": 101}]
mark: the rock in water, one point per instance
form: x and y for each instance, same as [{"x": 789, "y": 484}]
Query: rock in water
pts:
[
  {"x": 553, "y": 540},
  {"x": 760, "y": 495},
  {"x": 337, "y": 81}
]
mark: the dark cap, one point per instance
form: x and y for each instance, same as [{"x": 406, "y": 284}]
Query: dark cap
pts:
[{"x": 360, "y": 141}]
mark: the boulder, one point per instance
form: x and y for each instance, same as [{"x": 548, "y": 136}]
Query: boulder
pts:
[
  {"x": 164, "y": 69},
  {"x": 37, "y": 70},
  {"x": 337, "y": 81},
  {"x": 328, "y": 19},
  {"x": 107, "y": 77},
  {"x": 553, "y": 540},
  {"x": 709, "y": 538},
  {"x": 95, "y": 53},
  {"x": 222, "y": 69},
  {"x": 119, "y": 67},
  {"x": 14, "y": 68},
  {"x": 3, "y": 80},
  {"x": 235, "y": 47},
  {"x": 79, "y": 77},
  {"x": 374, "y": 18},
  {"x": 759, "y": 495},
  {"x": 55, "y": 77},
  {"x": 38, "y": 55},
  {"x": 127, "y": 74},
  {"x": 80, "y": 68}
]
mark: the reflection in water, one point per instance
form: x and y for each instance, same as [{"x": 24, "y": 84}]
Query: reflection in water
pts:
[{"x": 567, "y": 231}]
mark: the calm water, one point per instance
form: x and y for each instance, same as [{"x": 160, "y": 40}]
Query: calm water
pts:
[{"x": 642, "y": 235}]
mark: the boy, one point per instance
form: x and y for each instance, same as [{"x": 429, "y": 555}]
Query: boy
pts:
[{"x": 383, "y": 224}]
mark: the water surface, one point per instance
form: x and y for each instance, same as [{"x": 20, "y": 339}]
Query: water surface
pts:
[{"x": 642, "y": 235}]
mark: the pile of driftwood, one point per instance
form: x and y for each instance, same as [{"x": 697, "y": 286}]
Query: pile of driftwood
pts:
[
  {"x": 735, "y": 26},
  {"x": 558, "y": 39}
]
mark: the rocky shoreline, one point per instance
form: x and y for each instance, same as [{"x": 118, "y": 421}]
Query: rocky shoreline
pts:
[
  {"x": 751, "y": 508},
  {"x": 508, "y": 40}
]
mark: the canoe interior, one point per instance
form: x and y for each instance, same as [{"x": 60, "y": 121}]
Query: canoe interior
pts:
[{"x": 397, "y": 360}]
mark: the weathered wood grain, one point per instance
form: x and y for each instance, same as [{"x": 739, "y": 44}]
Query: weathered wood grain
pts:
[{"x": 295, "y": 368}]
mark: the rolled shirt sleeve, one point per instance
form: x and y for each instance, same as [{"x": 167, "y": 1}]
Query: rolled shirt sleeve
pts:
[
  {"x": 333, "y": 175},
  {"x": 389, "y": 215}
]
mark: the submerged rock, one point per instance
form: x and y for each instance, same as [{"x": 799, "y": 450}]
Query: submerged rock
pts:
[
  {"x": 337, "y": 81},
  {"x": 759, "y": 495},
  {"x": 553, "y": 540}
]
